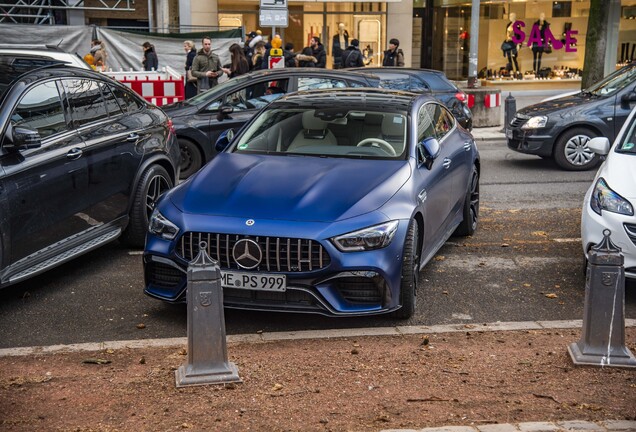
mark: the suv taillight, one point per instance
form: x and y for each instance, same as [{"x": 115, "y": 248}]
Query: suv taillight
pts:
[
  {"x": 461, "y": 96},
  {"x": 171, "y": 127}
]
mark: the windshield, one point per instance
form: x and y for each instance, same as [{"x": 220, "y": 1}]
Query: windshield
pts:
[
  {"x": 331, "y": 132},
  {"x": 628, "y": 143},
  {"x": 613, "y": 82}
]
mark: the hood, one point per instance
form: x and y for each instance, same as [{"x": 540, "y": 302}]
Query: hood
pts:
[
  {"x": 290, "y": 187},
  {"x": 619, "y": 171},
  {"x": 568, "y": 103},
  {"x": 179, "y": 109}
]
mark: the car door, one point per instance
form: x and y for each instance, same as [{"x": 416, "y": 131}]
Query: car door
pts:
[
  {"x": 43, "y": 189},
  {"x": 433, "y": 181},
  {"x": 245, "y": 101},
  {"x": 454, "y": 158},
  {"x": 113, "y": 147}
]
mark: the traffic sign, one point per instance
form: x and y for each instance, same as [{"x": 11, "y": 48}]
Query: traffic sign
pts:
[
  {"x": 273, "y": 17},
  {"x": 273, "y": 4}
]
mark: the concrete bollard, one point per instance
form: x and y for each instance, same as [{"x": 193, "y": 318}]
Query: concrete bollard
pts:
[
  {"x": 510, "y": 109},
  {"x": 602, "y": 340},
  {"x": 207, "y": 348}
]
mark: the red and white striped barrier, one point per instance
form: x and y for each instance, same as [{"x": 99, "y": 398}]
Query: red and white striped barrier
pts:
[
  {"x": 492, "y": 100},
  {"x": 157, "y": 87}
]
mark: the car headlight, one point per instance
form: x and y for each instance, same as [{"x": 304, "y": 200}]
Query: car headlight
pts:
[
  {"x": 375, "y": 237},
  {"x": 535, "y": 123},
  {"x": 162, "y": 227},
  {"x": 604, "y": 198}
]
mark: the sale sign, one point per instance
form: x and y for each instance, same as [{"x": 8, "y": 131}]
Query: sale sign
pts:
[{"x": 519, "y": 37}]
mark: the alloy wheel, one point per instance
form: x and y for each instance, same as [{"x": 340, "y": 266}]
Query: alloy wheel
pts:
[{"x": 577, "y": 152}]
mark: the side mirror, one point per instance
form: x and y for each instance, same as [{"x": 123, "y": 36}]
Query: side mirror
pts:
[
  {"x": 22, "y": 138},
  {"x": 224, "y": 140},
  {"x": 628, "y": 97},
  {"x": 224, "y": 112},
  {"x": 431, "y": 147},
  {"x": 599, "y": 145}
]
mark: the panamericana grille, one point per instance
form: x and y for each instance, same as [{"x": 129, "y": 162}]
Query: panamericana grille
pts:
[
  {"x": 280, "y": 254},
  {"x": 630, "y": 229}
]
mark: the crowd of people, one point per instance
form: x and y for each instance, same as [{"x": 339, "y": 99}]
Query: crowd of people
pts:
[{"x": 203, "y": 67}]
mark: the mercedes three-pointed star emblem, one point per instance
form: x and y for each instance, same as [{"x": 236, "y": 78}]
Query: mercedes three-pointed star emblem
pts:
[{"x": 247, "y": 253}]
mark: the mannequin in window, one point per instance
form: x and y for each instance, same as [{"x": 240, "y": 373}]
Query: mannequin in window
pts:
[
  {"x": 512, "y": 50},
  {"x": 537, "y": 50},
  {"x": 340, "y": 43}
]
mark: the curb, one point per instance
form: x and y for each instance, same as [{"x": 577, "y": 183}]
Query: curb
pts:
[
  {"x": 304, "y": 334},
  {"x": 570, "y": 426}
]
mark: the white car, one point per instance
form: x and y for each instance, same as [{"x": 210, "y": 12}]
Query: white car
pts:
[{"x": 610, "y": 201}]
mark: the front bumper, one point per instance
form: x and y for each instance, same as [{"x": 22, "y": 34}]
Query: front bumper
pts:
[
  {"x": 536, "y": 142},
  {"x": 623, "y": 233},
  {"x": 352, "y": 284}
]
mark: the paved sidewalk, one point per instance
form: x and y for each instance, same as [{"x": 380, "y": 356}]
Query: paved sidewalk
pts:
[
  {"x": 563, "y": 426},
  {"x": 488, "y": 133}
]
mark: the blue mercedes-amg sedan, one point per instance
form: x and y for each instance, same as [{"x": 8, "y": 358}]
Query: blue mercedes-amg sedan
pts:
[{"x": 327, "y": 201}]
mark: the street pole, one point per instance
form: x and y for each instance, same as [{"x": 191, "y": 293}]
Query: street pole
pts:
[{"x": 474, "y": 39}]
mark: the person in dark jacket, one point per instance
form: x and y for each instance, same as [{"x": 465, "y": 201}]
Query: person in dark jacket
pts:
[
  {"x": 206, "y": 66},
  {"x": 191, "y": 51},
  {"x": 239, "y": 65},
  {"x": 394, "y": 56},
  {"x": 352, "y": 56},
  {"x": 306, "y": 58},
  {"x": 319, "y": 52},
  {"x": 150, "y": 60},
  {"x": 290, "y": 55}
]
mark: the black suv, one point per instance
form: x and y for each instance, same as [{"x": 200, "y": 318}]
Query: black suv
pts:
[
  {"x": 560, "y": 128},
  {"x": 82, "y": 161}
]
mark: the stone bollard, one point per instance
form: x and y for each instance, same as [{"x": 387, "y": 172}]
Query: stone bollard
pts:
[
  {"x": 510, "y": 109},
  {"x": 602, "y": 340},
  {"x": 207, "y": 349}
]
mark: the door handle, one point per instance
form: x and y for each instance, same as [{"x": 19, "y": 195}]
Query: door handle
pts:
[
  {"x": 133, "y": 137},
  {"x": 446, "y": 163},
  {"x": 74, "y": 153}
]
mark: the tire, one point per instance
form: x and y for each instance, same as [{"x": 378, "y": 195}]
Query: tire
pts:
[
  {"x": 153, "y": 183},
  {"x": 410, "y": 273},
  {"x": 191, "y": 158},
  {"x": 571, "y": 152},
  {"x": 471, "y": 207}
]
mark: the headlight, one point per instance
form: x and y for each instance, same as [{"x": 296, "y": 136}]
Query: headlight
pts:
[
  {"x": 375, "y": 237},
  {"x": 535, "y": 123},
  {"x": 162, "y": 227},
  {"x": 604, "y": 198}
]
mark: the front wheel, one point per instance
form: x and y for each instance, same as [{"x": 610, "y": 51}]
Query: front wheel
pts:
[
  {"x": 410, "y": 273},
  {"x": 191, "y": 158},
  {"x": 153, "y": 183},
  {"x": 471, "y": 207},
  {"x": 571, "y": 152}
]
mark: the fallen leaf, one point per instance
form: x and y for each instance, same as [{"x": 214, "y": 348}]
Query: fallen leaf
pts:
[
  {"x": 96, "y": 361},
  {"x": 551, "y": 295},
  {"x": 440, "y": 258},
  {"x": 540, "y": 233},
  {"x": 527, "y": 285},
  {"x": 141, "y": 326},
  {"x": 277, "y": 387},
  {"x": 505, "y": 245},
  {"x": 142, "y": 360}
]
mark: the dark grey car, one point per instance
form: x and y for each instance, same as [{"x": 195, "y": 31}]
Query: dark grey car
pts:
[
  {"x": 200, "y": 120},
  {"x": 82, "y": 161}
]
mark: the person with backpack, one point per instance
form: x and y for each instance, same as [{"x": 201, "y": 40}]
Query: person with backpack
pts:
[
  {"x": 352, "y": 56},
  {"x": 394, "y": 56}
]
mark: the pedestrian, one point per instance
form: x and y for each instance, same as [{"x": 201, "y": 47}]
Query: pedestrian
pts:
[
  {"x": 318, "y": 51},
  {"x": 258, "y": 62},
  {"x": 394, "y": 56},
  {"x": 306, "y": 58},
  {"x": 206, "y": 66},
  {"x": 238, "y": 64},
  {"x": 191, "y": 53},
  {"x": 251, "y": 39},
  {"x": 290, "y": 55},
  {"x": 150, "y": 60},
  {"x": 98, "y": 51},
  {"x": 352, "y": 56}
]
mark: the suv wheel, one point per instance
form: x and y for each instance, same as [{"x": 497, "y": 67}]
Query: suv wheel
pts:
[
  {"x": 154, "y": 182},
  {"x": 191, "y": 158},
  {"x": 571, "y": 151}
]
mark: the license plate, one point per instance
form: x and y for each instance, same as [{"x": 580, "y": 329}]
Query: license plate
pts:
[
  {"x": 509, "y": 133},
  {"x": 253, "y": 281}
]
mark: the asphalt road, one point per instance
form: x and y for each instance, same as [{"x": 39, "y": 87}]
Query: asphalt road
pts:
[{"x": 524, "y": 263}]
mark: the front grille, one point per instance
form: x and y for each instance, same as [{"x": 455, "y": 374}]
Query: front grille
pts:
[
  {"x": 360, "y": 290},
  {"x": 288, "y": 297},
  {"x": 163, "y": 275},
  {"x": 517, "y": 122},
  {"x": 630, "y": 229},
  {"x": 280, "y": 254}
]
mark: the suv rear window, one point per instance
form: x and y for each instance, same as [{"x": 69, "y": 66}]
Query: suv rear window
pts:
[
  {"x": 12, "y": 66},
  {"x": 438, "y": 82}
]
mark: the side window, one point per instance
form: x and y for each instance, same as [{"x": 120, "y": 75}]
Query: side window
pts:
[
  {"x": 443, "y": 121},
  {"x": 112, "y": 107},
  {"x": 257, "y": 95},
  {"x": 306, "y": 83},
  {"x": 126, "y": 101},
  {"x": 41, "y": 109},
  {"x": 425, "y": 126},
  {"x": 86, "y": 101},
  {"x": 418, "y": 86}
]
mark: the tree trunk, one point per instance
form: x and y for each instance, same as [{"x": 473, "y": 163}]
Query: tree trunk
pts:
[{"x": 595, "y": 43}]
